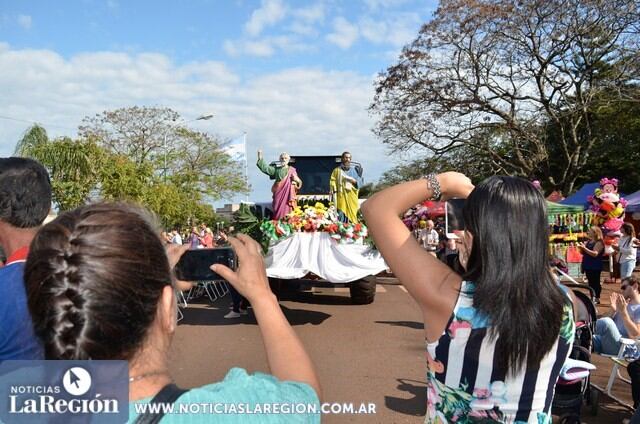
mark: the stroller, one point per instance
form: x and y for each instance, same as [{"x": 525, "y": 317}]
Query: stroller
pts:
[{"x": 571, "y": 393}]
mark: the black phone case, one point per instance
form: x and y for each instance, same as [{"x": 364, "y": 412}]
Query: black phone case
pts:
[{"x": 194, "y": 264}]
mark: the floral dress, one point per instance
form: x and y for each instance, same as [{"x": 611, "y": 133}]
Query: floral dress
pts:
[{"x": 465, "y": 383}]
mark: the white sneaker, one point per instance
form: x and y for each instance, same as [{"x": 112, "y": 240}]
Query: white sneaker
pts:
[{"x": 233, "y": 314}]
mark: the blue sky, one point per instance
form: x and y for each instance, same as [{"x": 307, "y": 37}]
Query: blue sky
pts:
[{"x": 295, "y": 75}]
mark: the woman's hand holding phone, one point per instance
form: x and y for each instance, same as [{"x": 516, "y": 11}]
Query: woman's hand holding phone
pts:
[
  {"x": 175, "y": 252},
  {"x": 286, "y": 355},
  {"x": 250, "y": 279}
]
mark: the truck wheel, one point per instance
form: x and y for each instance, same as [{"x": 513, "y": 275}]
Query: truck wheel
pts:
[{"x": 363, "y": 291}]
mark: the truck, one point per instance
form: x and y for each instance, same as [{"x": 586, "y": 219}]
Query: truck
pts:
[{"x": 315, "y": 258}]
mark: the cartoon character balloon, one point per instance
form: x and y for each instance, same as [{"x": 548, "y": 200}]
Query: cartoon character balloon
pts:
[{"x": 608, "y": 206}]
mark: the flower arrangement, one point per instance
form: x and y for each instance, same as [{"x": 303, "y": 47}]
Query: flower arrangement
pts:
[
  {"x": 416, "y": 217},
  {"x": 312, "y": 218}
]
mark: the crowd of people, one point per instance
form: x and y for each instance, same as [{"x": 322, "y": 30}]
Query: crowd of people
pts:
[
  {"x": 66, "y": 285},
  {"x": 200, "y": 237},
  {"x": 432, "y": 238}
]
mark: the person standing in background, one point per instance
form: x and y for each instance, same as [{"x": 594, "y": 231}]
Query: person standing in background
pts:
[
  {"x": 194, "y": 238},
  {"x": 592, "y": 253},
  {"x": 627, "y": 249},
  {"x": 429, "y": 238},
  {"x": 25, "y": 201},
  {"x": 176, "y": 238}
]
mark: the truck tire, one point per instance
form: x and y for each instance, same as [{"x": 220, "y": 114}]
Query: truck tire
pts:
[{"x": 363, "y": 291}]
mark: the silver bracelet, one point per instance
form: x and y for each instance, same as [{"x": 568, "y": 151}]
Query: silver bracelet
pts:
[{"x": 434, "y": 186}]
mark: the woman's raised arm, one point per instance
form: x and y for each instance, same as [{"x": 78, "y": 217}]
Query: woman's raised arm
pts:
[
  {"x": 287, "y": 357},
  {"x": 430, "y": 282}
]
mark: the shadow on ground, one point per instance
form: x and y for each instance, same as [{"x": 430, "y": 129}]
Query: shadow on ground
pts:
[
  {"x": 411, "y": 324},
  {"x": 214, "y": 315},
  {"x": 415, "y": 406}
]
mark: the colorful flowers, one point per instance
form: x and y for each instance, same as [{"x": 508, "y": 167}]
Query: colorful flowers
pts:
[
  {"x": 314, "y": 218},
  {"x": 417, "y": 216}
]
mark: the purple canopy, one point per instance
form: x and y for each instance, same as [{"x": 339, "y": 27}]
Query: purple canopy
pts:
[{"x": 633, "y": 202}]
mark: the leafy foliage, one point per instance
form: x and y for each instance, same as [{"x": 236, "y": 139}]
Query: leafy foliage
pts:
[
  {"x": 73, "y": 165},
  {"x": 490, "y": 77},
  {"x": 248, "y": 222},
  {"x": 139, "y": 154}
]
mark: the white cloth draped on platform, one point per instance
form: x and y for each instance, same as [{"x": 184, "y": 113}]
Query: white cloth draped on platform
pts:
[{"x": 318, "y": 253}]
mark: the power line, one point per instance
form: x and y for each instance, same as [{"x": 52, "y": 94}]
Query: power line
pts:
[{"x": 8, "y": 118}]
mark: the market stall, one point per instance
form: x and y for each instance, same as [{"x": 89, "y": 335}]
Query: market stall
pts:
[{"x": 568, "y": 225}]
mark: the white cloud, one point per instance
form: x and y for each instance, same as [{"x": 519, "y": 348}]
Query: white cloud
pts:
[
  {"x": 311, "y": 14},
  {"x": 298, "y": 26},
  {"x": 344, "y": 33},
  {"x": 384, "y": 4},
  {"x": 259, "y": 48},
  {"x": 263, "y": 47},
  {"x": 25, "y": 21},
  {"x": 269, "y": 13},
  {"x": 306, "y": 21},
  {"x": 301, "y": 110},
  {"x": 302, "y": 29},
  {"x": 396, "y": 30}
]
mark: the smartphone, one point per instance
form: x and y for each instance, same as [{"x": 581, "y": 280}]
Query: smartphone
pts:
[
  {"x": 454, "y": 220},
  {"x": 194, "y": 264}
]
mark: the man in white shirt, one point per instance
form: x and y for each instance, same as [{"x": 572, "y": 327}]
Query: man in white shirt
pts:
[
  {"x": 429, "y": 238},
  {"x": 176, "y": 239}
]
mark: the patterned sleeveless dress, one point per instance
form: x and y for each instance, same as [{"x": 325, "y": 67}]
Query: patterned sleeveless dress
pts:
[{"x": 465, "y": 384}]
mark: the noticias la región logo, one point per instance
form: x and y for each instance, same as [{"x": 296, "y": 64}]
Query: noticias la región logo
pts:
[{"x": 68, "y": 397}]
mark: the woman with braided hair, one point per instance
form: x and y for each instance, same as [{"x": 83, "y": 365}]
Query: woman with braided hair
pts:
[{"x": 100, "y": 286}]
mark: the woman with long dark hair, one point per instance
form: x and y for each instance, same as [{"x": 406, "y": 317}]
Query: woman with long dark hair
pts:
[
  {"x": 497, "y": 335},
  {"x": 100, "y": 286},
  {"x": 592, "y": 254}
]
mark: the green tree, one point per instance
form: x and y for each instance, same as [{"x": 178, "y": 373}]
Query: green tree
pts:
[
  {"x": 123, "y": 179},
  {"x": 201, "y": 164},
  {"x": 72, "y": 165},
  {"x": 34, "y": 136},
  {"x": 472, "y": 163},
  {"x": 155, "y": 137},
  {"x": 616, "y": 152},
  {"x": 136, "y": 132},
  {"x": 492, "y": 75}
]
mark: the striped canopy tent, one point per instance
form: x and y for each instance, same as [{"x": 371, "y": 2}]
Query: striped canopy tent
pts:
[
  {"x": 557, "y": 208},
  {"x": 573, "y": 217}
]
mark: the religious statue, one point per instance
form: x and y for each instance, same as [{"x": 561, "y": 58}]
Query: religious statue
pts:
[
  {"x": 344, "y": 185},
  {"x": 286, "y": 184}
]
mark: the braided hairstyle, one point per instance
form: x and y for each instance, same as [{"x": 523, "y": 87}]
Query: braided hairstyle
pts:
[{"x": 94, "y": 277}]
